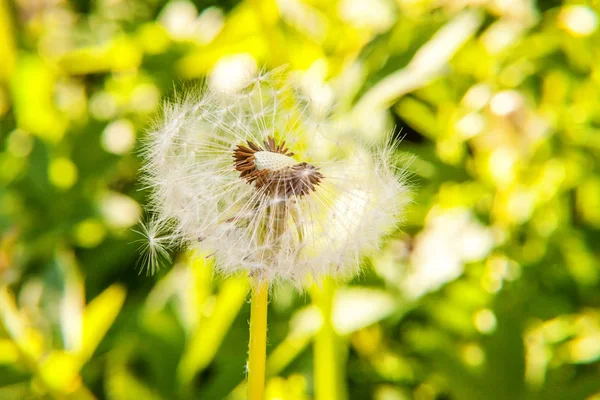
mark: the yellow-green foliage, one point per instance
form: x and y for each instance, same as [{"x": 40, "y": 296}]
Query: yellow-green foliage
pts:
[{"x": 489, "y": 290}]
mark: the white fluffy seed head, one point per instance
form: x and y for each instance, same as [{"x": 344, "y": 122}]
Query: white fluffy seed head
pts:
[{"x": 258, "y": 181}]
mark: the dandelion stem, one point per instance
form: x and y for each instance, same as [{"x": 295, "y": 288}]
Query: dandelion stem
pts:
[
  {"x": 258, "y": 341},
  {"x": 328, "y": 361}
]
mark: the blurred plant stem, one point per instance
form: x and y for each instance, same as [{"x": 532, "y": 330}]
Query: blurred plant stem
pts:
[
  {"x": 328, "y": 361},
  {"x": 427, "y": 64},
  {"x": 258, "y": 341}
]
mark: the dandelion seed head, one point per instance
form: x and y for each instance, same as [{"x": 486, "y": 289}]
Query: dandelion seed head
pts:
[{"x": 244, "y": 176}]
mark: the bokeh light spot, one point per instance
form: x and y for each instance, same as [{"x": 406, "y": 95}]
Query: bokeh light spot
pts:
[
  {"x": 120, "y": 211},
  {"x": 485, "y": 320},
  {"x": 578, "y": 20},
  {"x": 118, "y": 137},
  {"x": 89, "y": 233},
  {"x": 62, "y": 173},
  {"x": 232, "y": 73}
]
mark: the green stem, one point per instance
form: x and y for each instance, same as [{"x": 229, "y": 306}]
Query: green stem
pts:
[
  {"x": 328, "y": 366},
  {"x": 258, "y": 341}
]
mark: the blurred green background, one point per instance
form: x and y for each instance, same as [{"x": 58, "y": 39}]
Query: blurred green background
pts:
[{"x": 489, "y": 291}]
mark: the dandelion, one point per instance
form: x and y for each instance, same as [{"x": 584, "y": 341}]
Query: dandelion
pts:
[{"x": 260, "y": 179}]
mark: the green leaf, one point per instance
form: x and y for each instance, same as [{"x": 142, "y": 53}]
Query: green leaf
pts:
[{"x": 98, "y": 317}]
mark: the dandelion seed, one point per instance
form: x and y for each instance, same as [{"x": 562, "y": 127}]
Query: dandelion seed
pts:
[
  {"x": 245, "y": 176},
  {"x": 154, "y": 245}
]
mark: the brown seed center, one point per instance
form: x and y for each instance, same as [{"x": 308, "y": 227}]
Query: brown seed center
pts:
[{"x": 277, "y": 175}]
